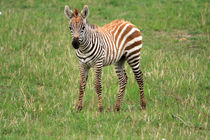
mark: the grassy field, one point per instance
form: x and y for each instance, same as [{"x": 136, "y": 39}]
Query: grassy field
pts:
[{"x": 39, "y": 72}]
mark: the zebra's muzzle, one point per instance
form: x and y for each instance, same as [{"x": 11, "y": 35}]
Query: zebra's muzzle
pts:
[{"x": 75, "y": 43}]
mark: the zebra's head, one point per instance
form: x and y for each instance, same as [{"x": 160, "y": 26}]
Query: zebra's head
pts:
[{"x": 77, "y": 24}]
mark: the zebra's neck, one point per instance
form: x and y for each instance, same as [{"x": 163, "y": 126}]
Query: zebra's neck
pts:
[
  {"x": 92, "y": 26},
  {"x": 91, "y": 40}
]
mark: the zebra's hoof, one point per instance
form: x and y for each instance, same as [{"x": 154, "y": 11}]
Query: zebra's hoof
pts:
[
  {"x": 101, "y": 109},
  {"x": 143, "y": 106},
  {"x": 117, "y": 108},
  {"x": 79, "y": 108}
]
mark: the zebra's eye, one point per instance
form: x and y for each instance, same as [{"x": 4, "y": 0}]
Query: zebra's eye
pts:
[{"x": 83, "y": 27}]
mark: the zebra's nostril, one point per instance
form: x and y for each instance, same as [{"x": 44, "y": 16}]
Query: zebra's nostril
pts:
[{"x": 75, "y": 43}]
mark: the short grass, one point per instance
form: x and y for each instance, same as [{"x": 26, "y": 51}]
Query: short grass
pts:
[{"x": 39, "y": 72}]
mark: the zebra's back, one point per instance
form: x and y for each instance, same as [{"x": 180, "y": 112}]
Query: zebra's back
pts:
[{"x": 122, "y": 38}]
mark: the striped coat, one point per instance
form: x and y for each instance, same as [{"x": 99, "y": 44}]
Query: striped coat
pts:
[
  {"x": 114, "y": 40},
  {"x": 114, "y": 43}
]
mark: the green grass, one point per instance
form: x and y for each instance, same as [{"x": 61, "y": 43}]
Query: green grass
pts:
[{"x": 39, "y": 72}]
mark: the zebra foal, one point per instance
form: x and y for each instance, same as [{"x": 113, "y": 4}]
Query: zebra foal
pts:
[{"x": 114, "y": 43}]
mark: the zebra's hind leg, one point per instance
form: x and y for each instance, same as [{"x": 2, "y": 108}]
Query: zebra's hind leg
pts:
[
  {"x": 134, "y": 64},
  {"x": 121, "y": 74}
]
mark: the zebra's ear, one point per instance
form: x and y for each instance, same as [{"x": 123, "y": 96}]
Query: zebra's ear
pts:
[
  {"x": 85, "y": 12},
  {"x": 69, "y": 13}
]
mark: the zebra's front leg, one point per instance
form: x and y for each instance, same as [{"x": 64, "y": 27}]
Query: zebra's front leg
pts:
[
  {"x": 83, "y": 78},
  {"x": 98, "y": 87}
]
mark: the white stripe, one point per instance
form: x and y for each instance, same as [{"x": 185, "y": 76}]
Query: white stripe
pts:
[
  {"x": 113, "y": 49},
  {"x": 110, "y": 48},
  {"x": 134, "y": 49},
  {"x": 131, "y": 58},
  {"x": 133, "y": 41},
  {"x": 107, "y": 47},
  {"x": 136, "y": 66},
  {"x": 113, "y": 29}
]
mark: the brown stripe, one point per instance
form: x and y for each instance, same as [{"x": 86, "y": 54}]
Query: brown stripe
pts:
[
  {"x": 132, "y": 36},
  {"x": 134, "y": 45}
]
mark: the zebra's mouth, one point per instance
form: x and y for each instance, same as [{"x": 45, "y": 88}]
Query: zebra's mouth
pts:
[{"x": 75, "y": 43}]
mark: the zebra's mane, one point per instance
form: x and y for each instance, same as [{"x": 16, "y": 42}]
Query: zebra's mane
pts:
[{"x": 92, "y": 26}]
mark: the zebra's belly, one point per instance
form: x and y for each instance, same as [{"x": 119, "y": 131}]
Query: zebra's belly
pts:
[
  {"x": 110, "y": 59},
  {"x": 87, "y": 63},
  {"x": 105, "y": 63}
]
